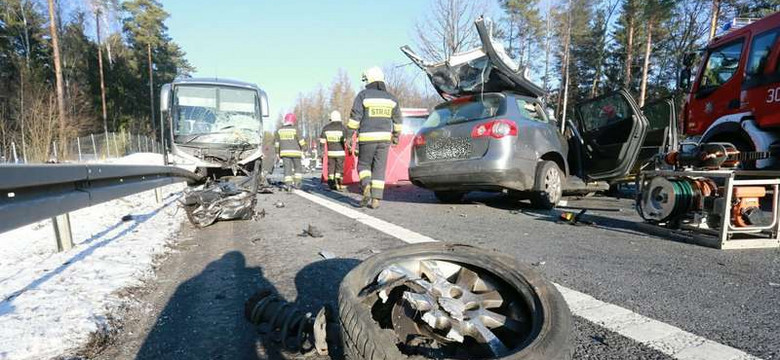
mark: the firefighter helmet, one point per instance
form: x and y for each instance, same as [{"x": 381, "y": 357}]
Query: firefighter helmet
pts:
[
  {"x": 335, "y": 116},
  {"x": 289, "y": 119},
  {"x": 373, "y": 74}
]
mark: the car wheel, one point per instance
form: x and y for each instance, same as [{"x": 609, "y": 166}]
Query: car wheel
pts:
[
  {"x": 439, "y": 300},
  {"x": 449, "y": 197},
  {"x": 548, "y": 185}
]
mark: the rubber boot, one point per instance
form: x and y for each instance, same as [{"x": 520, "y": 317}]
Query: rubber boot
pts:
[
  {"x": 339, "y": 185},
  {"x": 374, "y": 204},
  {"x": 331, "y": 185},
  {"x": 366, "y": 196}
]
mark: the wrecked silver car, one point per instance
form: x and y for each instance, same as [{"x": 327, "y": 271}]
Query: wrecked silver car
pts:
[{"x": 493, "y": 132}]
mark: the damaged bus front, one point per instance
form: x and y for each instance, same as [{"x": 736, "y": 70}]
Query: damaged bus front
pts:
[{"x": 215, "y": 125}]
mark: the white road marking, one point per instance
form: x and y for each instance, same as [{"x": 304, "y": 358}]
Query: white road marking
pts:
[{"x": 663, "y": 337}]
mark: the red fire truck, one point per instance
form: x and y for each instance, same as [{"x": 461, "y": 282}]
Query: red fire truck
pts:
[
  {"x": 735, "y": 94},
  {"x": 398, "y": 156}
]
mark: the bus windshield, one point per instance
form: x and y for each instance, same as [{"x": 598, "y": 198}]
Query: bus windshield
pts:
[{"x": 216, "y": 114}]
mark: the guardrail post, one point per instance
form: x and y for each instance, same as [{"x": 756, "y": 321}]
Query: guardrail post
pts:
[
  {"x": 158, "y": 195},
  {"x": 13, "y": 149},
  {"x": 94, "y": 147},
  {"x": 116, "y": 147},
  {"x": 62, "y": 232},
  {"x": 78, "y": 147}
]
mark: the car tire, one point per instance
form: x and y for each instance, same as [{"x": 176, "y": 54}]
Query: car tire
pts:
[
  {"x": 548, "y": 185},
  {"x": 450, "y": 197},
  {"x": 550, "y": 325}
]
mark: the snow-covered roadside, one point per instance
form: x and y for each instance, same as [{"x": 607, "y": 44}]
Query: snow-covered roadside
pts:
[{"x": 50, "y": 302}]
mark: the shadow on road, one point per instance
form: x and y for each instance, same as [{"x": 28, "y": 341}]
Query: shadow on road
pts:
[{"x": 204, "y": 319}]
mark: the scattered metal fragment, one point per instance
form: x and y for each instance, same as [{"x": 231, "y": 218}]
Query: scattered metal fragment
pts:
[
  {"x": 327, "y": 255},
  {"x": 257, "y": 240},
  {"x": 539, "y": 263},
  {"x": 279, "y": 204},
  {"x": 225, "y": 199},
  {"x": 261, "y": 214},
  {"x": 312, "y": 231},
  {"x": 321, "y": 331}
]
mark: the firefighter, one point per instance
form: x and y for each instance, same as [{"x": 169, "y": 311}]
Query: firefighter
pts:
[
  {"x": 289, "y": 147},
  {"x": 376, "y": 116},
  {"x": 333, "y": 136}
]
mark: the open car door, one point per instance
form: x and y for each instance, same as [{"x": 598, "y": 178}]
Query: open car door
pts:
[
  {"x": 612, "y": 129},
  {"x": 485, "y": 69},
  {"x": 661, "y": 132}
]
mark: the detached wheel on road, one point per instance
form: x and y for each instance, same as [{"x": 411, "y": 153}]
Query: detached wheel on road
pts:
[
  {"x": 548, "y": 185},
  {"x": 439, "y": 300},
  {"x": 450, "y": 197}
]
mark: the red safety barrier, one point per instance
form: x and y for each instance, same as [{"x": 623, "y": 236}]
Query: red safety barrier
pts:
[{"x": 397, "y": 158}]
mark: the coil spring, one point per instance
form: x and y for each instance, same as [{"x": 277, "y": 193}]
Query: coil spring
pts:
[{"x": 284, "y": 317}]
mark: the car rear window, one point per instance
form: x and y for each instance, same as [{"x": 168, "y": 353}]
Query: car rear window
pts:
[{"x": 467, "y": 109}]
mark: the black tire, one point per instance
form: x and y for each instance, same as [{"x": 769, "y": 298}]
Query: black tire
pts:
[
  {"x": 450, "y": 197},
  {"x": 548, "y": 185},
  {"x": 551, "y": 324}
]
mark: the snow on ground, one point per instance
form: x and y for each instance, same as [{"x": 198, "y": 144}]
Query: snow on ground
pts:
[{"x": 50, "y": 302}]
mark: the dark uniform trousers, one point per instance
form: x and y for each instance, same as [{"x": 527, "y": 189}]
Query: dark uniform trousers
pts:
[
  {"x": 293, "y": 170},
  {"x": 335, "y": 167},
  {"x": 372, "y": 163}
]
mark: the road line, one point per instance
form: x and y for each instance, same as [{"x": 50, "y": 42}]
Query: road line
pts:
[{"x": 660, "y": 336}]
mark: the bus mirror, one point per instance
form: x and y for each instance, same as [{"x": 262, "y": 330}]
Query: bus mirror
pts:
[
  {"x": 264, "y": 111},
  {"x": 165, "y": 95}
]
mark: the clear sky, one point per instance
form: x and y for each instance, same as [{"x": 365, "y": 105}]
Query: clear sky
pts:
[{"x": 288, "y": 47}]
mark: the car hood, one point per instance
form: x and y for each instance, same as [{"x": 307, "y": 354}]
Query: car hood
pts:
[{"x": 485, "y": 69}]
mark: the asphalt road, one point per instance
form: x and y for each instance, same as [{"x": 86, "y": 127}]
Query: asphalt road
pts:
[{"x": 194, "y": 309}]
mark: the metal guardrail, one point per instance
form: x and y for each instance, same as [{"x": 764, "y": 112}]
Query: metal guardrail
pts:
[{"x": 30, "y": 193}]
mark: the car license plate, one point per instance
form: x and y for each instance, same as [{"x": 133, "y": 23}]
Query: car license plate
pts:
[{"x": 448, "y": 148}]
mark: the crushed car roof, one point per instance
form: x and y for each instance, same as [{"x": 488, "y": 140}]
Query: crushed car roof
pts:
[{"x": 485, "y": 69}]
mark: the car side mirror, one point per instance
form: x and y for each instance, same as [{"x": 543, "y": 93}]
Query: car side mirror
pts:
[{"x": 165, "y": 96}]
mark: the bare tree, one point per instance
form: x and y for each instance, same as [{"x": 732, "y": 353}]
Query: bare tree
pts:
[
  {"x": 410, "y": 86},
  {"x": 449, "y": 29},
  {"x": 55, "y": 44},
  {"x": 341, "y": 95}
]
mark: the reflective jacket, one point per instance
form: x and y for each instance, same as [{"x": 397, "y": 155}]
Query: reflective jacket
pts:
[
  {"x": 375, "y": 114},
  {"x": 333, "y": 135},
  {"x": 288, "y": 143}
]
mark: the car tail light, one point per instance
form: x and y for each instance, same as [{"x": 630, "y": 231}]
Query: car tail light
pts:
[
  {"x": 496, "y": 129},
  {"x": 419, "y": 140}
]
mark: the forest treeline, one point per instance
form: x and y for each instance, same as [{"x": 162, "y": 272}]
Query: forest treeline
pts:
[
  {"x": 575, "y": 49},
  {"x": 125, "y": 34}
]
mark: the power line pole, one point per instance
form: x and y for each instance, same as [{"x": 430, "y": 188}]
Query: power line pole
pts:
[
  {"x": 102, "y": 80},
  {"x": 151, "y": 87}
]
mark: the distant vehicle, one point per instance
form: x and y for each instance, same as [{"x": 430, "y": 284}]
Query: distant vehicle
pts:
[
  {"x": 735, "y": 95},
  {"x": 214, "y": 124},
  {"x": 493, "y": 133}
]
